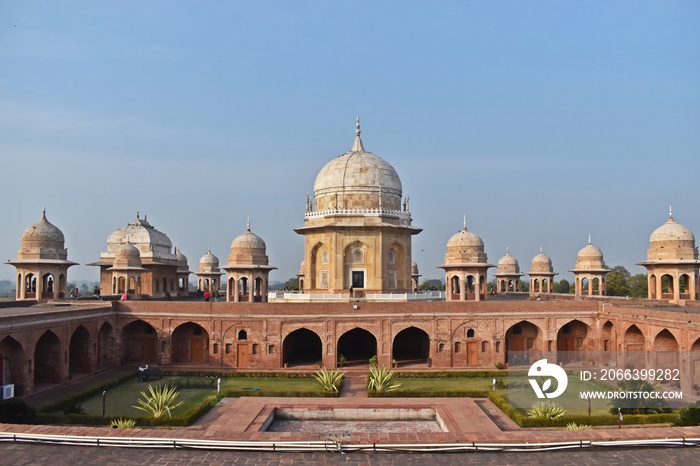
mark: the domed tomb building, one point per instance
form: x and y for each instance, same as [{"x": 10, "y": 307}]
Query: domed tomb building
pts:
[
  {"x": 357, "y": 230},
  {"x": 590, "y": 271},
  {"x": 465, "y": 267},
  {"x": 672, "y": 263},
  {"x": 248, "y": 269},
  {"x": 508, "y": 276},
  {"x": 42, "y": 262},
  {"x": 541, "y": 274},
  {"x": 162, "y": 270}
]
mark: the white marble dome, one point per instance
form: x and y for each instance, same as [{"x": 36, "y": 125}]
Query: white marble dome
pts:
[
  {"x": 209, "y": 259},
  {"x": 144, "y": 237},
  {"x": 356, "y": 179}
]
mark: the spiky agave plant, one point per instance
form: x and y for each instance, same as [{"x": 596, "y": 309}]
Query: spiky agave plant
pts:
[
  {"x": 160, "y": 402},
  {"x": 574, "y": 426},
  {"x": 546, "y": 410},
  {"x": 330, "y": 380},
  {"x": 382, "y": 379},
  {"x": 122, "y": 423}
]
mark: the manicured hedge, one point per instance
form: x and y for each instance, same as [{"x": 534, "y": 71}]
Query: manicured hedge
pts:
[
  {"x": 431, "y": 394},
  {"x": 251, "y": 374}
]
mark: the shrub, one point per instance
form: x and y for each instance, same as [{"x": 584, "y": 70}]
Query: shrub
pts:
[
  {"x": 160, "y": 402},
  {"x": 546, "y": 410},
  {"x": 374, "y": 361},
  {"x": 644, "y": 406},
  {"x": 574, "y": 426},
  {"x": 689, "y": 416},
  {"x": 74, "y": 409},
  {"x": 122, "y": 423},
  {"x": 329, "y": 380},
  {"x": 16, "y": 411},
  {"x": 381, "y": 379}
]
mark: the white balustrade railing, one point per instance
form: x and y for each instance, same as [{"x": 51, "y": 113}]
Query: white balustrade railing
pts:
[
  {"x": 307, "y": 297},
  {"x": 366, "y": 212}
]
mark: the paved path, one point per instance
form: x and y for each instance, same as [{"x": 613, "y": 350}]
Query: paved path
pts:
[
  {"x": 354, "y": 385},
  {"x": 55, "y": 455}
]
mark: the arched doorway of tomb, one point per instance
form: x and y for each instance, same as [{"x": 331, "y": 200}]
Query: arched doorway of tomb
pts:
[
  {"x": 139, "y": 343},
  {"x": 666, "y": 350},
  {"x": 357, "y": 261},
  {"x": 607, "y": 343},
  {"x": 694, "y": 361},
  {"x": 79, "y": 352},
  {"x": 522, "y": 339},
  {"x": 358, "y": 346},
  {"x": 302, "y": 347},
  {"x": 47, "y": 359},
  {"x": 411, "y": 346},
  {"x": 189, "y": 344},
  {"x": 105, "y": 346},
  {"x": 12, "y": 364},
  {"x": 572, "y": 342},
  {"x": 633, "y": 345}
]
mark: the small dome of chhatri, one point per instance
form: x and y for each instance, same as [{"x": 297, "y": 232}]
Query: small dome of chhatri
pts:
[
  {"x": 414, "y": 269},
  {"x": 590, "y": 258},
  {"x": 672, "y": 241},
  {"x": 179, "y": 256},
  {"x": 672, "y": 231},
  {"x": 465, "y": 247},
  {"x": 209, "y": 259},
  {"x": 508, "y": 264},
  {"x": 127, "y": 250},
  {"x": 248, "y": 249},
  {"x": 248, "y": 241},
  {"x": 541, "y": 264},
  {"x": 361, "y": 178},
  {"x": 301, "y": 267},
  {"x": 43, "y": 231}
]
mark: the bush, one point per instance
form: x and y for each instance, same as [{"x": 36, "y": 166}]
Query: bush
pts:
[
  {"x": 159, "y": 402},
  {"x": 329, "y": 380},
  {"x": 381, "y": 380},
  {"x": 122, "y": 424},
  {"x": 645, "y": 406},
  {"x": 574, "y": 426},
  {"x": 16, "y": 411},
  {"x": 688, "y": 416},
  {"x": 546, "y": 410}
]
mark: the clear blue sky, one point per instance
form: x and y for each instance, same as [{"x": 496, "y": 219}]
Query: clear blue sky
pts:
[{"x": 542, "y": 121}]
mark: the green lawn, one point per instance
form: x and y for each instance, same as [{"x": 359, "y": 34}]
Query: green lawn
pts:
[
  {"x": 444, "y": 384},
  {"x": 119, "y": 400}
]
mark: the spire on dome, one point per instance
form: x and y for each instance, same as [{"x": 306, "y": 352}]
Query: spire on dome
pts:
[
  {"x": 589, "y": 238},
  {"x": 248, "y": 224},
  {"x": 357, "y": 146},
  {"x": 465, "y": 223},
  {"x": 541, "y": 249},
  {"x": 670, "y": 213},
  {"x": 43, "y": 213}
]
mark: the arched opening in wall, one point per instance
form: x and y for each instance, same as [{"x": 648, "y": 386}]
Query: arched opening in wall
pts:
[
  {"x": 258, "y": 290},
  {"x": 633, "y": 345},
  {"x": 230, "y": 287},
  {"x": 666, "y": 350},
  {"x": 471, "y": 333},
  {"x": 114, "y": 285},
  {"x": 667, "y": 287},
  {"x": 358, "y": 346},
  {"x": 30, "y": 286},
  {"x": 302, "y": 347},
  {"x": 694, "y": 361},
  {"x": 596, "y": 286},
  {"x": 607, "y": 343},
  {"x": 482, "y": 286},
  {"x": 79, "y": 353},
  {"x": 139, "y": 343},
  {"x": 652, "y": 286},
  {"x": 684, "y": 286},
  {"x": 133, "y": 287},
  {"x": 47, "y": 286},
  {"x": 454, "y": 287},
  {"x": 204, "y": 284},
  {"x": 584, "y": 285},
  {"x": 545, "y": 285},
  {"x": 503, "y": 285},
  {"x": 243, "y": 289},
  {"x": 19, "y": 285},
  {"x": 121, "y": 285},
  {"x": 12, "y": 364},
  {"x": 105, "y": 346},
  {"x": 470, "y": 287},
  {"x": 189, "y": 344},
  {"x": 573, "y": 341},
  {"x": 242, "y": 335},
  {"x": 523, "y": 344},
  {"x": 411, "y": 345},
  {"x": 47, "y": 360},
  {"x": 536, "y": 285}
]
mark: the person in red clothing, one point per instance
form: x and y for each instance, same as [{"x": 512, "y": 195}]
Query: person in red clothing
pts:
[{"x": 207, "y": 295}]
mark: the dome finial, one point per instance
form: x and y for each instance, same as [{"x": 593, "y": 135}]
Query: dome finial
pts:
[
  {"x": 247, "y": 226},
  {"x": 541, "y": 249},
  {"x": 357, "y": 146},
  {"x": 465, "y": 223},
  {"x": 43, "y": 212},
  {"x": 670, "y": 212},
  {"x": 589, "y": 238}
]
